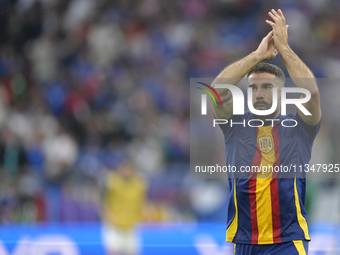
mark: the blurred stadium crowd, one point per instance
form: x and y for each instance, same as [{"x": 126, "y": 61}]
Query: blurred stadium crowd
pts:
[{"x": 86, "y": 84}]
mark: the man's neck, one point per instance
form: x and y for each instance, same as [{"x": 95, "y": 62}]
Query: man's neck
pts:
[{"x": 268, "y": 120}]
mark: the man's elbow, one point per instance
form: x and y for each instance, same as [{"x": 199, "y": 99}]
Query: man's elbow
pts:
[
  {"x": 313, "y": 89},
  {"x": 314, "y": 93}
]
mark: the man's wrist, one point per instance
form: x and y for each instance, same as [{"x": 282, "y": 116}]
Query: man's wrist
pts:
[
  {"x": 284, "y": 50},
  {"x": 259, "y": 57}
]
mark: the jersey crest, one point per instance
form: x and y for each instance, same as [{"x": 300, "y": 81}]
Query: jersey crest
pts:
[{"x": 265, "y": 144}]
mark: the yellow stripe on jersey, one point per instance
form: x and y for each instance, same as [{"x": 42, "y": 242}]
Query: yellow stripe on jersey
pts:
[
  {"x": 263, "y": 193},
  {"x": 231, "y": 231},
  {"x": 299, "y": 247},
  {"x": 302, "y": 221}
]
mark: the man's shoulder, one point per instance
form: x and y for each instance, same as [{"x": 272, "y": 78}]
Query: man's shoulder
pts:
[
  {"x": 246, "y": 116},
  {"x": 288, "y": 116},
  {"x": 294, "y": 117}
]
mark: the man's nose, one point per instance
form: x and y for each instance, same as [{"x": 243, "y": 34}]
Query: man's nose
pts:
[{"x": 259, "y": 94}]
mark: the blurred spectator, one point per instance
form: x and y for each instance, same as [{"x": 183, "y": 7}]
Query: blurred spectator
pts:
[
  {"x": 123, "y": 208},
  {"x": 12, "y": 155},
  {"x": 80, "y": 201}
]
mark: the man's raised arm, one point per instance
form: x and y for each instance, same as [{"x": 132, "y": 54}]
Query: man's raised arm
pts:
[
  {"x": 236, "y": 71},
  {"x": 301, "y": 75}
]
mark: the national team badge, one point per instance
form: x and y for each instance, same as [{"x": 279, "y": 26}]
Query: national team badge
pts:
[{"x": 266, "y": 144}]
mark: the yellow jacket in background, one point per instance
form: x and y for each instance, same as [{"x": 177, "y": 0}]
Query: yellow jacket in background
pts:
[{"x": 124, "y": 200}]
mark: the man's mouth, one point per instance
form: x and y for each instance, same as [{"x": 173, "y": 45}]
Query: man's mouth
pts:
[{"x": 260, "y": 105}]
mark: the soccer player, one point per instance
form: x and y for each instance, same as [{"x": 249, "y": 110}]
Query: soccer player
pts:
[{"x": 267, "y": 215}]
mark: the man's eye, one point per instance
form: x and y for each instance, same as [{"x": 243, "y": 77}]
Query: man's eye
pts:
[{"x": 253, "y": 88}]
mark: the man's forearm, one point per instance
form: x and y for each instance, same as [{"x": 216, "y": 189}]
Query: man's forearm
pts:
[
  {"x": 298, "y": 70},
  {"x": 236, "y": 71}
]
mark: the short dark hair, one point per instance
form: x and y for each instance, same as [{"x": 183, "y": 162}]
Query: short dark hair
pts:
[{"x": 268, "y": 68}]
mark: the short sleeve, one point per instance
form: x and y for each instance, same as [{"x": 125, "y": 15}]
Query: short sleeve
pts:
[
  {"x": 226, "y": 127},
  {"x": 307, "y": 131}
]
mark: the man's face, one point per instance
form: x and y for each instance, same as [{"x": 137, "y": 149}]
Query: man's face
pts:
[
  {"x": 262, "y": 85},
  {"x": 126, "y": 169}
]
